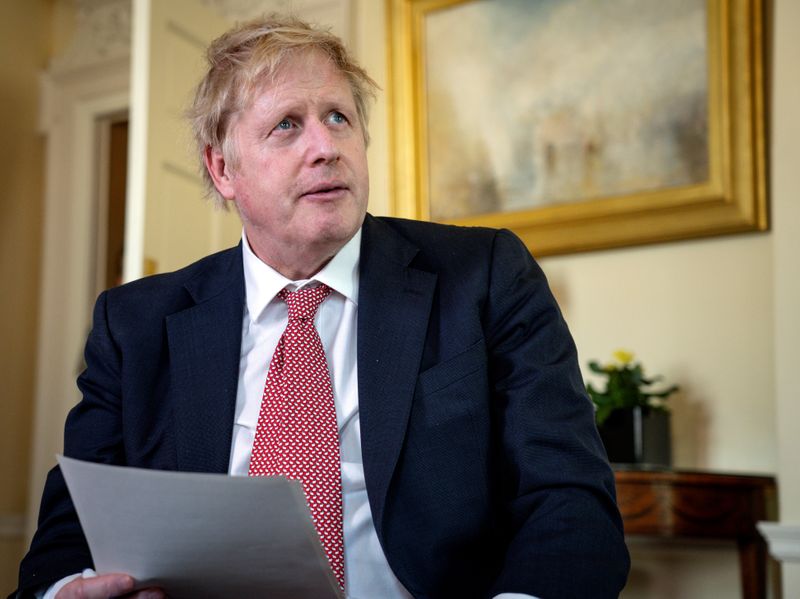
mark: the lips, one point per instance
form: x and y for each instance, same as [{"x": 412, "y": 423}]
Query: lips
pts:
[{"x": 325, "y": 190}]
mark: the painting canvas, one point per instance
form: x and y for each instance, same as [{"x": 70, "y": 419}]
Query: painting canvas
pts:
[
  {"x": 580, "y": 124},
  {"x": 530, "y": 104}
]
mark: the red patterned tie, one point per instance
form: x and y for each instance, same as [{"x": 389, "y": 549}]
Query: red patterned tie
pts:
[{"x": 297, "y": 434}]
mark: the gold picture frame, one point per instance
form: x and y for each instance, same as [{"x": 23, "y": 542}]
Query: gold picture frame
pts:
[{"x": 732, "y": 197}]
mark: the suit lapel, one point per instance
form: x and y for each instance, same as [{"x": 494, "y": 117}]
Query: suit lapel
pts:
[
  {"x": 394, "y": 306},
  {"x": 204, "y": 346}
]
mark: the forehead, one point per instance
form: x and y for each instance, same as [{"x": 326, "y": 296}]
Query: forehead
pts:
[{"x": 306, "y": 76}]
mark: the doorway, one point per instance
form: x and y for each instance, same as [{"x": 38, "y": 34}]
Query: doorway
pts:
[{"x": 110, "y": 225}]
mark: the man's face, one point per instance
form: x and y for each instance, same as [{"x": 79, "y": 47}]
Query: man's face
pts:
[{"x": 300, "y": 183}]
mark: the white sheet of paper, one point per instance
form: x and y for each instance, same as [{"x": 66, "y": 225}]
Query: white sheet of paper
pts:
[{"x": 200, "y": 536}]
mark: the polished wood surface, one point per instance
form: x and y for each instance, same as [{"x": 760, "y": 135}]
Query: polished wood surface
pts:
[{"x": 683, "y": 504}]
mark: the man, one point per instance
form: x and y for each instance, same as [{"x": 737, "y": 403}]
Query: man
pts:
[{"x": 465, "y": 458}]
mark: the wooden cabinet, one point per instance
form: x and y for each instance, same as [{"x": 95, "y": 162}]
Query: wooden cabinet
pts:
[{"x": 683, "y": 504}]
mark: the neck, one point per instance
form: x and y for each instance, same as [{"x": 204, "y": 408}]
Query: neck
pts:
[
  {"x": 298, "y": 271},
  {"x": 296, "y": 264}
]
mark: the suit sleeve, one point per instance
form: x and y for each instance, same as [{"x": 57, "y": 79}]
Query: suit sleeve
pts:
[
  {"x": 566, "y": 532},
  {"x": 92, "y": 432}
]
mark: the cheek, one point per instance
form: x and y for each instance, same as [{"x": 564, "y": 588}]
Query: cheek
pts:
[
  {"x": 276, "y": 177},
  {"x": 364, "y": 176},
  {"x": 359, "y": 161}
]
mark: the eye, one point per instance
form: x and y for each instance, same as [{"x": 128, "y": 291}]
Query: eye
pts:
[
  {"x": 337, "y": 118},
  {"x": 284, "y": 125}
]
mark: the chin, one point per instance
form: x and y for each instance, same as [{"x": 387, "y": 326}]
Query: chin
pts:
[
  {"x": 337, "y": 227},
  {"x": 337, "y": 236}
]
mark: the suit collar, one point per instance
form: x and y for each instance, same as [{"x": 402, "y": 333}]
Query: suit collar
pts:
[
  {"x": 220, "y": 273},
  {"x": 394, "y": 308},
  {"x": 262, "y": 282}
]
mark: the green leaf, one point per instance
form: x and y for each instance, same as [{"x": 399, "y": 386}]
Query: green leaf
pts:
[
  {"x": 595, "y": 367},
  {"x": 625, "y": 388},
  {"x": 602, "y": 413}
]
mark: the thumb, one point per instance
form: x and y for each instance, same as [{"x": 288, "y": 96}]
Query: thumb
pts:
[{"x": 98, "y": 587}]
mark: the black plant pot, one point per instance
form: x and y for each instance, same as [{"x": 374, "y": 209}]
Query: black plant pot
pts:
[{"x": 638, "y": 436}]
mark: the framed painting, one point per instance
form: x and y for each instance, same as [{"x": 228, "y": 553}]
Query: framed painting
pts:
[{"x": 579, "y": 124}]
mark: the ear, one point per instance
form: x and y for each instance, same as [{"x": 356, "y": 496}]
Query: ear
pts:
[{"x": 220, "y": 172}]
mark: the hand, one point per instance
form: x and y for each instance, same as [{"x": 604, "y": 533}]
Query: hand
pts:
[{"x": 105, "y": 586}]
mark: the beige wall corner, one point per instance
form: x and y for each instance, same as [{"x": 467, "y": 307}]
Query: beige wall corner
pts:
[{"x": 786, "y": 230}]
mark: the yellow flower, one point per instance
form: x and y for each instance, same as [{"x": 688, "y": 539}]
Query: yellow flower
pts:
[{"x": 623, "y": 357}]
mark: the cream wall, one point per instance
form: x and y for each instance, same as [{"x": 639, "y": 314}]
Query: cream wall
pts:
[
  {"x": 701, "y": 314},
  {"x": 24, "y": 40}
]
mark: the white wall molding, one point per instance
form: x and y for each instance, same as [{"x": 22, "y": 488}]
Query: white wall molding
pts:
[{"x": 783, "y": 540}]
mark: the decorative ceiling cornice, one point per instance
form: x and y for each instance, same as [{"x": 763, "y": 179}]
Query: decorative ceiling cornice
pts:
[
  {"x": 102, "y": 32},
  {"x": 102, "y": 35}
]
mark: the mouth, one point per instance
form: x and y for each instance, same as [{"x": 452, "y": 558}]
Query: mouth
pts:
[{"x": 328, "y": 190}]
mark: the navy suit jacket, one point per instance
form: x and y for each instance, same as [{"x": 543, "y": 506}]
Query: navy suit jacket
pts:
[{"x": 483, "y": 466}]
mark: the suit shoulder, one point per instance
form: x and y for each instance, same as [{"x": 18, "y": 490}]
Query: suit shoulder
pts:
[
  {"x": 172, "y": 288},
  {"x": 439, "y": 235},
  {"x": 454, "y": 241}
]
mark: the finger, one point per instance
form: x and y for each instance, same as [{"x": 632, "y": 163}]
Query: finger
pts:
[
  {"x": 151, "y": 593},
  {"x": 98, "y": 587}
]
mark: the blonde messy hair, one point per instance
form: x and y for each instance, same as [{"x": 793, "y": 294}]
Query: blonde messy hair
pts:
[{"x": 242, "y": 59}]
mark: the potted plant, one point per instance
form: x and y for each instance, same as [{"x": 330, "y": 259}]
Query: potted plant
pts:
[{"x": 633, "y": 421}]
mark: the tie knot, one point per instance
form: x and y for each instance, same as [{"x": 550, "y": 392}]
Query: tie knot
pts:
[{"x": 303, "y": 303}]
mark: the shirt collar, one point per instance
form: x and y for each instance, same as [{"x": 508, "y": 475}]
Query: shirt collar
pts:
[{"x": 262, "y": 282}]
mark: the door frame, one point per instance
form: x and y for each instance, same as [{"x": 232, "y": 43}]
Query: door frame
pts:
[{"x": 74, "y": 101}]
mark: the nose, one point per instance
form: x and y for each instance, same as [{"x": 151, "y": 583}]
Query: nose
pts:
[{"x": 323, "y": 147}]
